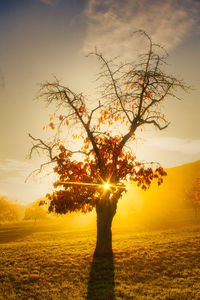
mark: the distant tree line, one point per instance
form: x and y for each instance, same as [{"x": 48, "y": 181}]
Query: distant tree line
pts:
[
  {"x": 9, "y": 212},
  {"x": 35, "y": 212},
  {"x": 13, "y": 212}
]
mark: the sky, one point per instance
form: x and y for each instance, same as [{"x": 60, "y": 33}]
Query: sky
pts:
[{"x": 42, "y": 38}]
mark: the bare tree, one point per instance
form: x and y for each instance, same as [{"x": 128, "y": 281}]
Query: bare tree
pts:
[
  {"x": 192, "y": 196},
  {"x": 131, "y": 97}
]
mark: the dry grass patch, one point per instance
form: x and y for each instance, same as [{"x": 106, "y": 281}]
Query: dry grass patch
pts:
[{"x": 59, "y": 265}]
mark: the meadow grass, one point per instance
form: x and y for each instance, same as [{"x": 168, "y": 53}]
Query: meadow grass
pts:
[{"x": 47, "y": 263}]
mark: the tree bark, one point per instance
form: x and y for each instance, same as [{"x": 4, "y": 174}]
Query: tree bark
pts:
[{"x": 105, "y": 213}]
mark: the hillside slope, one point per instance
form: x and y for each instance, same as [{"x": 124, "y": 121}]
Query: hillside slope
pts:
[{"x": 159, "y": 202}]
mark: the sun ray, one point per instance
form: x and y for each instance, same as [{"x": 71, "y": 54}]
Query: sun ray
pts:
[{"x": 104, "y": 185}]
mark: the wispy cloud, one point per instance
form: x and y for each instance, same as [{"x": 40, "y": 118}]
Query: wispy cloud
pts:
[
  {"x": 14, "y": 171},
  {"x": 50, "y": 2},
  {"x": 185, "y": 146},
  {"x": 17, "y": 170},
  {"x": 13, "y": 165},
  {"x": 12, "y": 180},
  {"x": 111, "y": 23}
]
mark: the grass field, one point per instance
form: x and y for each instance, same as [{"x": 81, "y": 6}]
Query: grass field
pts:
[{"x": 48, "y": 263}]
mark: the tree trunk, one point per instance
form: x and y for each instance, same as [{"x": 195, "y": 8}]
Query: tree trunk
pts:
[{"x": 105, "y": 213}]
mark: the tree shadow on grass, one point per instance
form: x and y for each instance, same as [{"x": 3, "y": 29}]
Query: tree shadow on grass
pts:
[{"x": 101, "y": 282}]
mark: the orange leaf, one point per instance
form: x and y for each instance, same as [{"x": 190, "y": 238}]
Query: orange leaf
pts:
[{"x": 52, "y": 125}]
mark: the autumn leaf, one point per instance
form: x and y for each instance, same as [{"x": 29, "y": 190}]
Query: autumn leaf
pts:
[{"x": 52, "y": 125}]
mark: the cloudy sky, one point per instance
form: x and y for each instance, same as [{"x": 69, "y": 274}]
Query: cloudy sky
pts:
[{"x": 41, "y": 38}]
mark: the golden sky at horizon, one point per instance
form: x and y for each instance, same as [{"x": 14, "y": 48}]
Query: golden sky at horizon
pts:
[{"x": 41, "y": 38}]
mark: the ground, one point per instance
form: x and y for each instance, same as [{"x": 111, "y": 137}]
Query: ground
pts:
[{"x": 49, "y": 263}]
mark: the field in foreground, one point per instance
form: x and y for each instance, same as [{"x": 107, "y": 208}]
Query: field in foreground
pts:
[{"x": 44, "y": 263}]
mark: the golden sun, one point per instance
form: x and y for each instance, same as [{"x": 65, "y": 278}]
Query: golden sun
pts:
[{"x": 106, "y": 186}]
